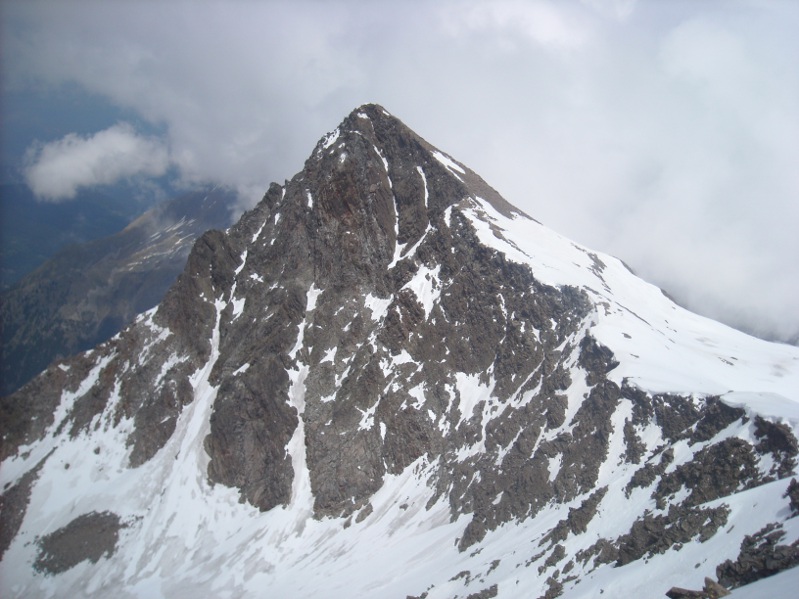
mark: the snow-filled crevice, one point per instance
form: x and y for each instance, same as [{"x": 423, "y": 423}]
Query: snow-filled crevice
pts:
[
  {"x": 163, "y": 502},
  {"x": 611, "y": 469},
  {"x": 301, "y": 496},
  {"x": 301, "y": 505},
  {"x": 236, "y": 302},
  {"x": 420, "y": 170},
  {"x": 449, "y": 164},
  {"x": 199, "y": 412},
  {"x": 397, "y": 246},
  {"x": 410, "y": 251}
]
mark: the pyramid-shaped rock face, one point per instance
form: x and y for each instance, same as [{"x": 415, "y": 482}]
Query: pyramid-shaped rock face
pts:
[
  {"x": 381, "y": 294},
  {"x": 386, "y": 361}
]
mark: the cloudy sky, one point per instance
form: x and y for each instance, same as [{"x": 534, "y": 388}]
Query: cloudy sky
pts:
[{"x": 663, "y": 132}]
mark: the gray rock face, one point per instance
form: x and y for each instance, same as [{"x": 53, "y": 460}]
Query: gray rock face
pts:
[
  {"x": 354, "y": 325},
  {"x": 341, "y": 224}
]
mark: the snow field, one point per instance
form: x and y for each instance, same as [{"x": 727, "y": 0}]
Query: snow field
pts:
[{"x": 662, "y": 347}]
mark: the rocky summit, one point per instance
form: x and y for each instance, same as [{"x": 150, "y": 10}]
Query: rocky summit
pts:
[{"x": 386, "y": 381}]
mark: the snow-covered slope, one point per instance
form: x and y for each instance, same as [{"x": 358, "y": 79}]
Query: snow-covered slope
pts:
[
  {"x": 385, "y": 381},
  {"x": 661, "y": 347}
]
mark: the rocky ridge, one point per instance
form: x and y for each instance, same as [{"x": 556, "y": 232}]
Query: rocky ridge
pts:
[{"x": 384, "y": 349}]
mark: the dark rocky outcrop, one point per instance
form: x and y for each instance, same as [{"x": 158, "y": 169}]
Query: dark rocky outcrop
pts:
[
  {"x": 793, "y": 497},
  {"x": 716, "y": 471},
  {"x": 491, "y": 591},
  {"x": 714, "y": 417},
  {"x": 88, "y": 537},
  {"x": 761, "y": 556},
  {"x": 650, "y": 471},
  {"x": 578, "y": 519},
  {"x": 680, "y": 593},
  {"x": 711, "y": 590},
  {"x": 777, "y": 439},
  {"x": 654, "y": 534}
]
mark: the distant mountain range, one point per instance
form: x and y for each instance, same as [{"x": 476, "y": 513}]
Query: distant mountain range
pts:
[
  {"x": 87, "y": 292},
  {"x": 32, "y": 231}
]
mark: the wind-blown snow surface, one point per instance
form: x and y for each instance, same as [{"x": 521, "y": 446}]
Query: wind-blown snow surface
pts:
[
  {"x": 184, "y": 537},
  {"x": 661, "y": 347},
  {"x": 783, "y": 584}
]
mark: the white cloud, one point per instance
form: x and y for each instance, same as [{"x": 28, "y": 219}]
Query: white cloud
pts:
[
  {"x": 617, "y": 9},
  {"x": 56, "y": 170},
  {"x": 541, "y": 22}
]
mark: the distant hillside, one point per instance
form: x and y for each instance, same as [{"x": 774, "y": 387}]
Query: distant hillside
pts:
[
  {"x": 33, "y": 231},
  {"x": 88, "y": 292}
]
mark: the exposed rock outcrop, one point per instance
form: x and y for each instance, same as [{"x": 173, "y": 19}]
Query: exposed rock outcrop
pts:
[
  {"x": 711, "y": 590},
  {"x": 88, "y": 537},
  {"x": 761, "y": 555}
]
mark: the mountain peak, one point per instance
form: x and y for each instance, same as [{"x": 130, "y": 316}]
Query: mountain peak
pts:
[
  {"x": 385, "y": 363},
  {"x": 374, "y": 112},
  {"x": 391, "y": 162}
]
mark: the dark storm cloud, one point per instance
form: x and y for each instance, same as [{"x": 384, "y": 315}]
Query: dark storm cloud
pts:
[{"x": 663, "y": 132}]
